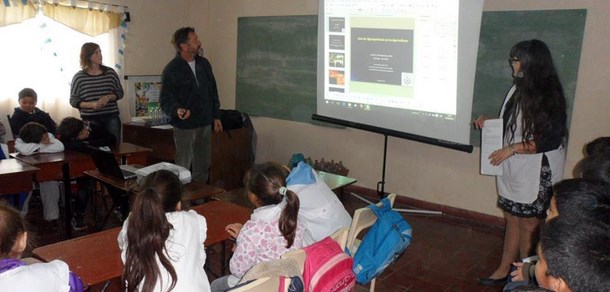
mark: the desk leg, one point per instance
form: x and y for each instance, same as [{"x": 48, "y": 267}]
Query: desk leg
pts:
[{"x": 67, "y": 202}]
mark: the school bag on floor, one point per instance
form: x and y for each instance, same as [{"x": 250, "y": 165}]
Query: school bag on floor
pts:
[
  {"x": 385, "y": 241},
  {"x": 327, "y": 268}
]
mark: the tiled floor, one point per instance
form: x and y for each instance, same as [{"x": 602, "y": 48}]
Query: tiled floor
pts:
[{"x": 446, "y": 253}]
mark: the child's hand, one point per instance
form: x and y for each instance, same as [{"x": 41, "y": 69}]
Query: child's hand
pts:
[
  {"x": 45, "y": 139},
  {"x": 518, "y": 274},
  {"x": 233, "y": 229}
]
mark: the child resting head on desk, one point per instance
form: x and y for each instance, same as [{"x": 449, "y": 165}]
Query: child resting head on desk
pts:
[
  {"x": 161, "y": 245},
  {"x": 34, "y": 138},
  {"x": 76, "y": 135},
  {"x": 273, "y": 228},
  {"x": 16, "y": 274}
]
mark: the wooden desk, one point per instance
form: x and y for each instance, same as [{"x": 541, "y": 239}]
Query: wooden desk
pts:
[
  {"x": 125, "y": 185},
  {"x": 335, "y": 181},
  {"x": 72, "y": 164},
  {"x": 197, "y": 191},
  {"x": 15, "y": 176},
  {"x": 132, "y": 153},
  {"x": 96, "y": 258},
  {"x": 231, "y": 151}
]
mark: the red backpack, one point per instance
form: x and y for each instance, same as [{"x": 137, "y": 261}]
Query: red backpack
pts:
[{"x": 328, "y": 268}]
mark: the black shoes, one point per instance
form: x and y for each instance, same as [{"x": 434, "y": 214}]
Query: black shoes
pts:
[{"x": 492, "y": 282}]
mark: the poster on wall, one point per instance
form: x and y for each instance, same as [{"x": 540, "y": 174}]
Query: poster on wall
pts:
[{"x": 143, "y": 92}]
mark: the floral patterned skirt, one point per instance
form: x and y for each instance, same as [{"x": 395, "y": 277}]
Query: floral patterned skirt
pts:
[{"x": 539, "y": 206}]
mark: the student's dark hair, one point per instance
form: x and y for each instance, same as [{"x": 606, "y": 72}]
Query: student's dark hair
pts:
[
  {"x": 577, "y": 253},
  {"x": 27, "y": 92},
  {"x": 600, "y": 145},
  {"x": 583, "y": 200},
  {"x": 69, "y": 128},
  {"x": 595, "y": 167},
  {"x": 539, "y": 96},
  {"x": 11, "y": 226},
  {"x": 32, "y": 132},
  {"x": 181, "y": 36},
  {"x": 264, "y": 181},
  {"x": 148, "y": 230}
]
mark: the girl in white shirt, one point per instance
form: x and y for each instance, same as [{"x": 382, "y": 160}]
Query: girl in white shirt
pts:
[
  {"x": 161, "y": 245},
  {"x": 15, "y": 274},
  {"x": 273, "y": 228}
]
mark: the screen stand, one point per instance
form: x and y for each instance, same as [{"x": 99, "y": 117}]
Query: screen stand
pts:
[{"x": 381, "y": 185}]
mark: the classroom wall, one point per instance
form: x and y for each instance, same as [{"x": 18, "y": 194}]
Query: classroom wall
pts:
[{"x": 416, "y": 170}]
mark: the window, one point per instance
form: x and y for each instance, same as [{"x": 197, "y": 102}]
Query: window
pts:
[{"x": 43, "y": 54}]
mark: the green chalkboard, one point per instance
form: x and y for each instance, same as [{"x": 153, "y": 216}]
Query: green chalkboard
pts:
[
  {"x": 561, "y": 30},
  {"x": 276, "y": 66},
  {"x": 276, "y": 60}
]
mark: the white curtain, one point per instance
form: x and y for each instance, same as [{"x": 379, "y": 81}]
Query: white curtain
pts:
[{"x": 43, "y": 54}]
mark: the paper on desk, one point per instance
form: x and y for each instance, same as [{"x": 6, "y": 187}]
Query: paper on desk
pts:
[{"x": 491, "y": 140}]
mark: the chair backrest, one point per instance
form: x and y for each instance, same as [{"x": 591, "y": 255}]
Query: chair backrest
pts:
[
  {"x": 263, "y": 285},
  {"x": 363, "y": 218},
  {"x": 11, "y": 146}
]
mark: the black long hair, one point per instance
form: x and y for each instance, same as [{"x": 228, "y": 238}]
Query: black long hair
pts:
[
  {"x": 148, "y": 230},
  {"x": 265, "y": 181},
  {"x": 539, "y": 96}
]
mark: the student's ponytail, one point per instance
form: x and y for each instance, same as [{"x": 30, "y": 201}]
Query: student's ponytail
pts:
[
  {"x": 148, "y": 229},
  {"x": 288, "y": 218}
]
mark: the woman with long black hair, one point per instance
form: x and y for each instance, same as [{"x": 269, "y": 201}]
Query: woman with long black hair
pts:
[{"x": 532, "y": 158}]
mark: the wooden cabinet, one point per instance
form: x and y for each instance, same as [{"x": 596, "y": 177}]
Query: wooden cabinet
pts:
[{"x": 232, "y": 152}]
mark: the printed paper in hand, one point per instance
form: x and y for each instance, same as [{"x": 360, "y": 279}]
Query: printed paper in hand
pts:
[{"x": 491, "y": 140}]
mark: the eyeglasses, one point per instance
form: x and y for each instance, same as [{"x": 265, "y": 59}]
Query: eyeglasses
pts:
[{"x": 513, "y": 60}]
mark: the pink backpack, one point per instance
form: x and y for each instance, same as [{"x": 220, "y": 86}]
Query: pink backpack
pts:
[{"x": 328, "y": 268}]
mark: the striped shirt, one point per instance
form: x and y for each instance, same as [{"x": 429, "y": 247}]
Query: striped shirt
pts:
[{"x": 90, "y": 88}]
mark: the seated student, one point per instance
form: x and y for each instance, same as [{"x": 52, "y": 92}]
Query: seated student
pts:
[
  {"x": 574, "y": 255},
  {"x": 273, "y": 228},
  {"x": 580, "y": 200},
  {"x": 28, "y": 112},
  {"x": 320, "y": 211},
  {"x": 77, "y": 136},
  {"x": 600, "y": 145},
  {"x": 161, "y": 245},
  {"x": 34, "y": 138},
  {"x": 15, "y": 274}
]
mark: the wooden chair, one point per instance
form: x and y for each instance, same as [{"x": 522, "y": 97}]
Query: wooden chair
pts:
[{"x": 363, "y": 218}]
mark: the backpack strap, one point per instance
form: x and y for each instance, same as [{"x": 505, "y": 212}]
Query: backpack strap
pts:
[{"x": 386, "y": 205}]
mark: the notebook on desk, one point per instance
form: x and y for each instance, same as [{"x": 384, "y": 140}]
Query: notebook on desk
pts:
[{"x": 107, "y": 164}]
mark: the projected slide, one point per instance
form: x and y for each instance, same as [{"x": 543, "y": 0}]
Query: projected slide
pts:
[
  {"x": 381, "y": 55},
  {"x": 394, "y": 63}
]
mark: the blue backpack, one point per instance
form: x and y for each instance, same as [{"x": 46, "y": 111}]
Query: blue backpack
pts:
[{"x": 385, "y": 241}]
